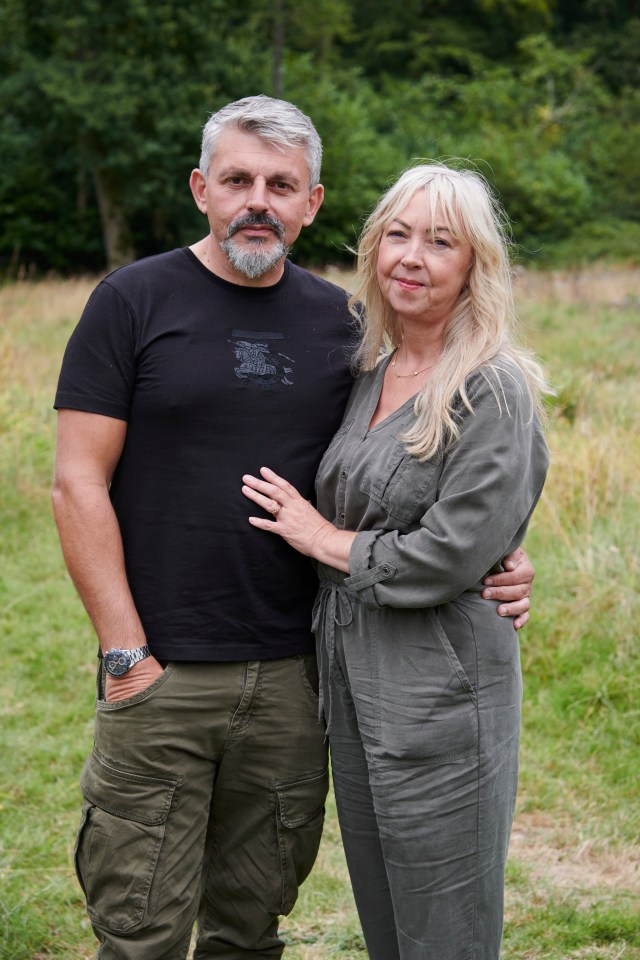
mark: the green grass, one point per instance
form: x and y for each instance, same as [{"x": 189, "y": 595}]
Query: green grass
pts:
[
  {"x": 581, "y": 657},
  {"x": 572, "y": 891}
]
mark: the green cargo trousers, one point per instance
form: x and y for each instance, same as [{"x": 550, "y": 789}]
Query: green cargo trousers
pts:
[{"x": 203, "y": 803}]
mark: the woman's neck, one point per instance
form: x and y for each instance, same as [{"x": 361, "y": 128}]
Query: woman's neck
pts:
[{"x": 416, "y": 353}]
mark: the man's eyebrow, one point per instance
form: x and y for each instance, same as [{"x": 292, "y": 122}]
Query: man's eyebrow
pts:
[
  {"x": 234, "y": 172},
  {"x": 246, "y": 174}
]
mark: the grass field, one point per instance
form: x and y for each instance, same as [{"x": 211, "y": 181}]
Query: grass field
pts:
[{"x": 574, "y": 870}]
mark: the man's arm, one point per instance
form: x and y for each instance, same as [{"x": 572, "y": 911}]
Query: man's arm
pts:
[
  {"x": 513, "y": 587},
  {"x": 88, "y": 450}
]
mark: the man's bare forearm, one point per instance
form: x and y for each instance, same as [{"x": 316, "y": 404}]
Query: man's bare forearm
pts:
[{"x": 92, "y": 549}]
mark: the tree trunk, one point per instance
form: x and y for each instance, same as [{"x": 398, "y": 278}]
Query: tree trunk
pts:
[{"x": 116, "y": 235}]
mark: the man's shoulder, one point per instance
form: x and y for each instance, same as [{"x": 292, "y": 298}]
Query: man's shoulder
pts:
[{"x": 150, "y": 267}]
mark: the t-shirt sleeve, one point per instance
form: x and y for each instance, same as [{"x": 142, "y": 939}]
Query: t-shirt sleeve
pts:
[
  {"x": 99, "y": 364},
  {"x": 490, "y": 483}
]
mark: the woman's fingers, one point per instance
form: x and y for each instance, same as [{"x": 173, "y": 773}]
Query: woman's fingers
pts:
[
  {"x": 269, "y": 491},
  {"x": 262, "y": 486},
  {"x": 270, "y": 504},
  {"x": 279, "y": 482},
  {"x": 266, "y": 495}
]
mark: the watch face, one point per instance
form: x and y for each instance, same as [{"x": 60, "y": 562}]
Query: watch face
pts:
[{"x": 117, "y": 662}]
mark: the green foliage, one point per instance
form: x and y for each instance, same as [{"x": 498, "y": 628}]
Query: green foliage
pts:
[
  {"x": 603, "y": 241},
  {"x": 357, "y": 161},
  {"x": 102, "y": 106},
  {"x": 123, "y": 89}
]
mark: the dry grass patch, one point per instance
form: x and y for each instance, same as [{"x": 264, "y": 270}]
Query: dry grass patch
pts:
[
  {"x": 552, "y": 852},
  {"x": 606, "y": 285}
]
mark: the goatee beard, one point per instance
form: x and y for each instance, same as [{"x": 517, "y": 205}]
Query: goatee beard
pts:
[{"x": 252, "y": 261}]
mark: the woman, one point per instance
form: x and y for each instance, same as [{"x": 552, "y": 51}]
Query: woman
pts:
[{"x": 431, "y": 479}]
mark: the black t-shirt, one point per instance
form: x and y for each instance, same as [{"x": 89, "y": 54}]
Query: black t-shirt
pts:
[{"x": 214, "y": 380}]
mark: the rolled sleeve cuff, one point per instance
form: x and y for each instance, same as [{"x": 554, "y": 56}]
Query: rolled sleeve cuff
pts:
[{"x": 362, "y": 581}]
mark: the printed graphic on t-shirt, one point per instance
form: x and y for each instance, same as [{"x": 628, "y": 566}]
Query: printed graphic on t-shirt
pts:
[{"x": 260, "y": 361}]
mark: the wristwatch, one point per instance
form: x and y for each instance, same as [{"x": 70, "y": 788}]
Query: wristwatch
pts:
[{"x": 119, "y": 662}]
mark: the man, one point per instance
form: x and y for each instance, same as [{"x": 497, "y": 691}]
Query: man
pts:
[{"x": 204, "y": 794}]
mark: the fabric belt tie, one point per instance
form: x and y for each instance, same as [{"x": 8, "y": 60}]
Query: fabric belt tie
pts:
[{"x": 332, "y": 609}]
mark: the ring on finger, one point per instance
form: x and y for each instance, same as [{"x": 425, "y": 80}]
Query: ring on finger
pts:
[{"x": 277, "y": 507}]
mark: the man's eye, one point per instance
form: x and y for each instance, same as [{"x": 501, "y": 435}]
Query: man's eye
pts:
[{"x": 281, "y": 185}]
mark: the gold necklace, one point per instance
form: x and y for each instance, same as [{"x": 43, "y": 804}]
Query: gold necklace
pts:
[{"x": 415, "y": 373}]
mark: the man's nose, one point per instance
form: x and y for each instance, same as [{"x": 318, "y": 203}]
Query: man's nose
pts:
[{"x": 258, "y": 199}]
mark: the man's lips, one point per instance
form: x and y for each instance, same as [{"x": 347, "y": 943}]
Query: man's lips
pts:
[{"x": 256, "y": 229}]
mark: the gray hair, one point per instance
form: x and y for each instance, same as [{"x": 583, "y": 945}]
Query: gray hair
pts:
[{"x": 278, "y": 122}]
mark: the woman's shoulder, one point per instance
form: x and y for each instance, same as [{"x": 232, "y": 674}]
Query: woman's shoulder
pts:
[
  {"x": 365, "y": 382},
  {"x": 365, "y": 379},
  {"x": 501, "y": 384}
]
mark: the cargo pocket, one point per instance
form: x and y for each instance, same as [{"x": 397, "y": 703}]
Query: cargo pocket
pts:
[
  {"x": 119, "y": 842},
  {"x": 299, "y": 822}
]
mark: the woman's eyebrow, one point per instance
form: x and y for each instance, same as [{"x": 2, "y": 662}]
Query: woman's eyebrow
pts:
[{"x": 407, "y": 226}]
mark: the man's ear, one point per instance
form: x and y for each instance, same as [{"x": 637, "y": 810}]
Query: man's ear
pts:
[
  {"x": 198, "y": 186},
  {"x": 316, "y": 197}
]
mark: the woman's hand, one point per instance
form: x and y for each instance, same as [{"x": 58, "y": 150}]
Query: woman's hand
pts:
[{"x": 296, "y": 521}]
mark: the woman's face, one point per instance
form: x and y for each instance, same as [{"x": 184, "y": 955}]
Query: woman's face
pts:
[{"x": 421, "y": 270}]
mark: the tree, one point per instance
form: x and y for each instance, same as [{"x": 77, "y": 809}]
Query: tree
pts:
[
  {"x": 101, "y": 106},
  {"x": 124, "y": 85}
]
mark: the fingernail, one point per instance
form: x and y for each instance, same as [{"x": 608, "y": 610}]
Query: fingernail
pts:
[
  {"x": 502, "y": 611},
  {"x": 489, "y": 582},
  {"x": 487, "y": 594}
]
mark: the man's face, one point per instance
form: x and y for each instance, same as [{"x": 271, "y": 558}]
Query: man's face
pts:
[{"x": 257, "y": 200}]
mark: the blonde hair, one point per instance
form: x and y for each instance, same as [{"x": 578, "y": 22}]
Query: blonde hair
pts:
[{"x": 480, "y": 331}]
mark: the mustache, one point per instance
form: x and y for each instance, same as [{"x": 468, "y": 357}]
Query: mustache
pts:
[{"x": 256, "y": 220}]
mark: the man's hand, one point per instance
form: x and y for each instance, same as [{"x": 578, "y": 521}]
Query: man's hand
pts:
[
  {"x": 513, "y": 587},
  {"x": 141, "y": 676}
]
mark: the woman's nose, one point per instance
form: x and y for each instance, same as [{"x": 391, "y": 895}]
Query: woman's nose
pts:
[{"x": 411, "y": 257}]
